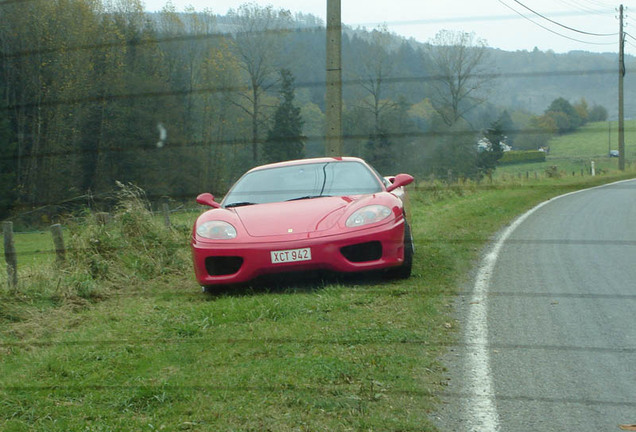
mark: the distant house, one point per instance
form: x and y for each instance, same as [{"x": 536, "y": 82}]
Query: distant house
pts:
[{"x": 484, "y": 144}]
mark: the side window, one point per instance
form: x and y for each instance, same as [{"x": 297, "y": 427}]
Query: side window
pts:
[{"x": 352, "y": 178}]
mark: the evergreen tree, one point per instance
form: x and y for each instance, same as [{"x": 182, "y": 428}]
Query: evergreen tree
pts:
[
  {"x": 508, "y": 127},
  {"x": 488, "y": 158},
  {"x": 378, "y": 150},
  {"x": 285, "y": 139}
]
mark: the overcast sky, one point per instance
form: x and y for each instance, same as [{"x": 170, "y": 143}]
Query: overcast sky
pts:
[{"x": 499, "y": 22}]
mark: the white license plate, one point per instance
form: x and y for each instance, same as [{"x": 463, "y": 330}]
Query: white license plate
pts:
[{"x": 291, "y": 255}]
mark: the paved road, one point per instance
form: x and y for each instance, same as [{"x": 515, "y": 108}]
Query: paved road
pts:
[{"x": 550, "y": 341}]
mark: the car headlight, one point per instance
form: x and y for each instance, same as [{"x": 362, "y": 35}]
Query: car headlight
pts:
[
  {"x": 368, "y": 215},
  {"x": 216, "y": 230}
]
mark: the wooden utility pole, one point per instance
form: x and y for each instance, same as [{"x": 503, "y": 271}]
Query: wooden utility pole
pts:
[
  {"x": 621, "y": 75},
  {"x": 333, "y": 142}
]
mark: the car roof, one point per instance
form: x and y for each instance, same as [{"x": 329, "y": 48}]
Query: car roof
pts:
[{"x": 308, "y": 161}]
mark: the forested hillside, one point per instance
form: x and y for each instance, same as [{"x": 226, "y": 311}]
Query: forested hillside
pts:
[
  {"x": 532, "y": 80},
  {"x": 180, "y": 103}
]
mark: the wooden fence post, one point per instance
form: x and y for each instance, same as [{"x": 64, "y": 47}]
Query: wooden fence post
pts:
[
  {"x": 166, "y": 214},
  {"x": 58, "y": 241},
  {"x": 10, "y": 255},
  {"x": 102, "y": 218}
]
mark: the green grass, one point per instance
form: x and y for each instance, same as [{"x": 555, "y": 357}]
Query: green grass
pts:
[
  {"x": 573, "y": 153},
  {"x": 594, "y": 140},
  {"x": 33, "y": 248}
]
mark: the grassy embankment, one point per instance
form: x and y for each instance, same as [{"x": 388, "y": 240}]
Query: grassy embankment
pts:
[
  {"x": 121, "y": 338},
  {"x": 575, "y": 152}
]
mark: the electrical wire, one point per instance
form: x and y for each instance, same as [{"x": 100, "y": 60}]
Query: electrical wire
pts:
[
  {"x": 627, "y": 42},
  {"x": 449, "y": 20},
  {"x": 563, "y": 25},
  {"x": 587, "y": 9},
  {"x": 552, "y": 31},
  {"x": 594, "y": 3}
]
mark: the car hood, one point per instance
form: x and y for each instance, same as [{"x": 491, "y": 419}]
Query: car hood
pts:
[{"x": 293, "y": 217}]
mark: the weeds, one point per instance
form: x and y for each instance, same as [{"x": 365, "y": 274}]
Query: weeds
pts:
[
  {"x": 106, "y": 254},
  {"x": 133, "y": 246}
]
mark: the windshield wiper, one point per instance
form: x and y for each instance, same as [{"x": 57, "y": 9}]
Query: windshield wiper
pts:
[
  {"x": 239, "y": 204},
  {"x": 308, "y": 197}
]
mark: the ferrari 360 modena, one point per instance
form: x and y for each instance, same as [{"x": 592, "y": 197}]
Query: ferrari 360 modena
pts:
[{"x": 333, "y": 214}]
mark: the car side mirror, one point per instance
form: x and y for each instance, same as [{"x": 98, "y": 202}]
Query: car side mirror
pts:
[
  {"x": 399, "y": 181},
  {"x": 207, "y": 199}
]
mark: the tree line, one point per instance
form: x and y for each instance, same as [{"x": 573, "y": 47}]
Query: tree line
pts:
[{"x": 95, "y": 92}]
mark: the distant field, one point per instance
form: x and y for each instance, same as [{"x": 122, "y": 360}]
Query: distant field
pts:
[
  {"x": 32, "y": 248},
  {"x": 594, "y": 140},
  {"x": 573, "y": 153}
]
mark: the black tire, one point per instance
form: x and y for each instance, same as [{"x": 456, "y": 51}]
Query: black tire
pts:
[{"x": 404, "y": 271}]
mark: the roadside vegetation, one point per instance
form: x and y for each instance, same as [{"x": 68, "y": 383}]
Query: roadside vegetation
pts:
[{"x": 120, "y": 337}]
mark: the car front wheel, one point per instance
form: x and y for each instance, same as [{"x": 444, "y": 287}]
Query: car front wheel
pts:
[{"x": 404, "y": 271}]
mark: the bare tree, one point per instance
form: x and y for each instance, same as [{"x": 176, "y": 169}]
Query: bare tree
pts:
[
  {"x": 461, "y": 77},
  {"x": 376, "y": 69},
  {"x": 259, "y": 32}
]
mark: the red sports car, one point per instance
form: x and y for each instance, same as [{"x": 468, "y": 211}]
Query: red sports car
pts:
[{"x": 335, "y": 214}]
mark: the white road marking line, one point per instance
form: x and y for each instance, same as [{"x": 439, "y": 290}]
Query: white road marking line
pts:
[{"x": 482, "y": 409}]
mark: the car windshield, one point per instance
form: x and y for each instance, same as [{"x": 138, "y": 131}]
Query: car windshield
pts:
[{"x": 304, "y": 181}]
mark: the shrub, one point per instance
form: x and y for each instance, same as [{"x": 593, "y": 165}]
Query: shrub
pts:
[
  {"x": 132, "y": 245},
  {"x": 516, "y": 156}
]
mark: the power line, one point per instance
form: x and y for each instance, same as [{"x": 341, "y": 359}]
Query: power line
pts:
[
  {"x": 450, "y": 20},
  {"x": 589, "y": 10},
  {"x": 562, "y": 25},
  {"x": 552, "y": 31}
]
